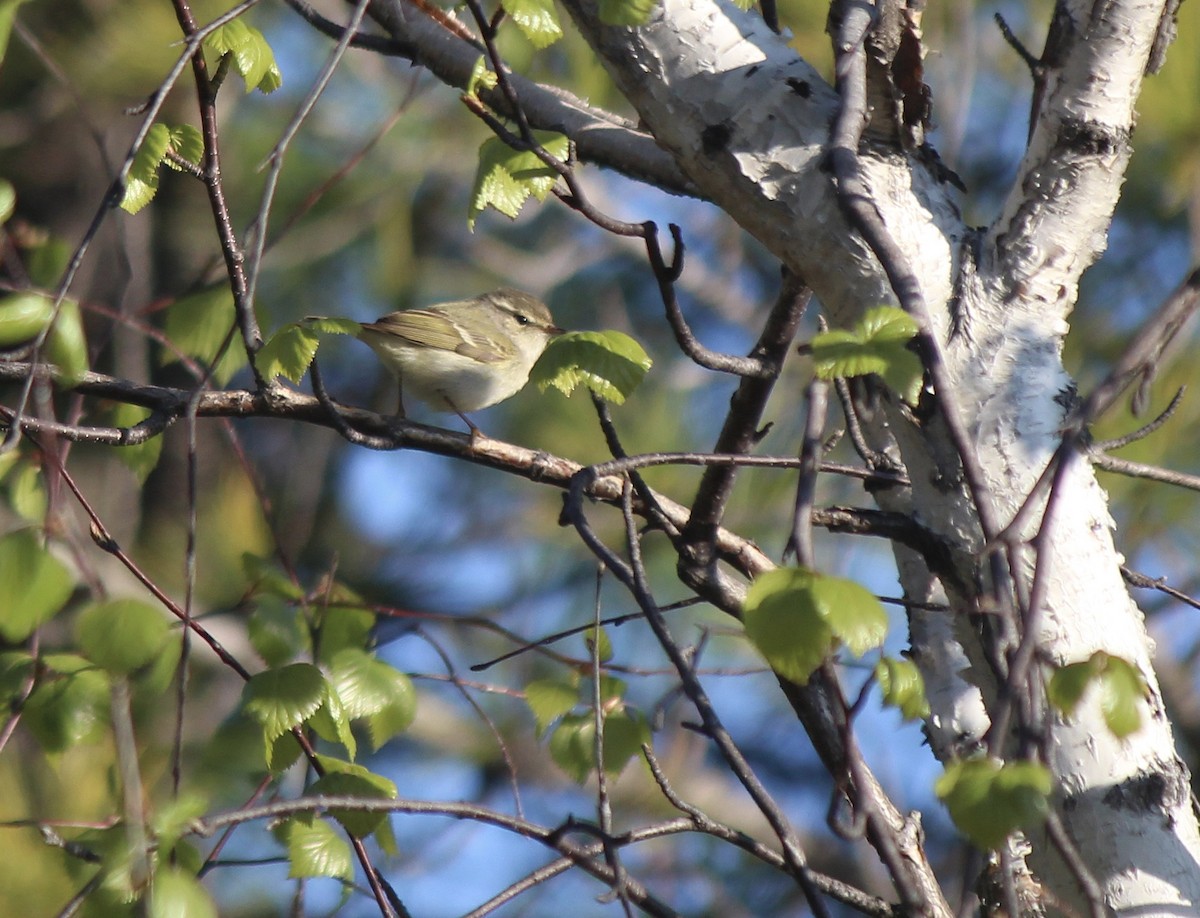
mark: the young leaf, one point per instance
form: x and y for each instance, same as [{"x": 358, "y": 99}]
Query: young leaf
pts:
[
  {"x": 331, "y": 723},
  {"x": 141, "y": 458},
  {"x": 480, "y": 77},
  {"x": 343, "y": 628},
  {"x": 198, "y": 325},
  {"x": 796, "y": 617},
  {"x": 349, "y": 780},
  {"x": 506, "y": 178},
  {"x": 22, "y": 317},
  {"x": 550, "y": 699},
  {"x": 1122, "y": 687},
  {"x": 176, "y": 893},
  {"x": 69, "y": 706},
  {"x": 368, "y": 686},
  {"x": 626, "y": 12},
  {"x": 316, "y": 849},
  {"x": 536, "y": 19},
  {"x": 34, "y": 585},
  {"x": 277, "y": 630},
  {"x": 27, "y": 492},
  {"x": 66, "y": 345},
  {"x": 573, "y": 746},
  {"x": 902, "y": 687},
  {"x": 253, "y": 58},
  {"x": 609, "y": 363},
  {"x": 283, "y": 698},
  {"x": 186, "y": 143},
  {"x": 142, "y": 182},
  {"x": 287, "y": 353},
  {"x": 121, "y": 635},
  {"x": 877, "y": 344},
  {"x": 8, "y": 194},
  {"x": 988, "y": 800}
]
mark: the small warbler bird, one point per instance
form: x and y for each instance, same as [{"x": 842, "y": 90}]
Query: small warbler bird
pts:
[{"x": 464, "y": 355}]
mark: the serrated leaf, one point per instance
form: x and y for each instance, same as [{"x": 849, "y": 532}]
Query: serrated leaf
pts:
[
  {"x": 877, "y": 344},
  {"x": 8, "y": 194},
  {"x": 66, "y": 344},
  {"x": 988, "y": 800},
  {"x": 610, "y": 363},
  {"x": 599, "y": 645},
  {"x": 277, "y": 631},
  {"x": 287, "y": 353},
  {"x": 331, "y": 723},
  {"x": 902, "y": 687},
  {"x": 198, "y": 325},
  {"x": 253, "y": 58},
  {"x": 23, "y": 316},
  {"x": 141, "y": 458},
  {"x": 174, "y": 817},
  {"x": 550, "y": 699},
  {"x": 316, "y": 849},
  {"x": 536, "y": 19},
  {"x": 625, "y": 12},
  {"x": 186, "y": 143},
  {"x": 34, "y": 585},
  {"x": 68, "y": 708},
  {"x": 121, "y": 635},
  {"x": 856, "y": 617},
  {"x": 176, "y": 893},
  {"x": 481, "y": 76},
  {"x": 506, "y": 178},
  {"x": 142, "y": 182},
  {"x": 283, "y": 698},
  {"x": 369, "y": 686},
  {"x": 269, "y": 579},
  {"x": 355, "y": 781},
  {"x": 571, "y": 746},
  {"x": 795, "y": 617},
  {"x": 332, "y": 325}
]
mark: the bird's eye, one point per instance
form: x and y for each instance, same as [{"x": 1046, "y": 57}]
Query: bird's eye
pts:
[{"x": 523, "y": 320}]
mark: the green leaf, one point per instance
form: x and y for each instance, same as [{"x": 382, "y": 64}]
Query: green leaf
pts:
[
  {"x": 269, "y": 579},
  {"x": 198, "y": 325},
  {"x": 316, "y": 849},
  {"x": 69, "y": 706},
  {"x": 988, "y": 800},
  {"x": 573, "y": 744},
  {"x": 8, "y": 194},
  {"x": 176, "y": 893},
  {"x": 283, "y": 698},
  {"x": 902, "y": 687},
  {"x": 174, "y": 817},
  {"x": 45, "y": 263},
  {"x": 8, "y": 14},
  {"x": 480, "y": 76},
  {"x": 66, "y": 345},
  {"x": 343, "y": 628},
  {"x": 23, "y": 316},
  {"x": 350, "y": 780},
  {"x": 27, "y": 492},
  {"x": 332, "y": 325},
  {"x": 536, "y": 19},
  {"x": 186, "y": 143},
  {"x": 610, "y": 363},
  {"x": 287, "y": 353},
  {"x": 253, "y": 58},
  {"x": 550, "y": 699},
  {"x": 34, "y": 585},
  {"x": 626, "y": 12},
  {"x": 141, "y": 458},
  {"x": 331, "y": 723},
  {"x": 1122, "y": 687},
  {"x": 877, "y": 344},
  {"x": 599, "y": 645},
  {"x": 277, "y": 631},
  {"x": 506, "y": 178},
  {"x": 369, "y": 686},
  {"x": 121, "y": 635},
  {"x": 796, "y": 617},
  {"x": 142, "y": 182}
]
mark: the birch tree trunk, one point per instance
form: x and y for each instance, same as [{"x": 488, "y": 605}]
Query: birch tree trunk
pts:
[{"x": 749, "y": 123}]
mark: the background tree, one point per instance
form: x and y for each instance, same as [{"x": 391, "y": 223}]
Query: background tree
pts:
[{"x": 219, "y": 614}]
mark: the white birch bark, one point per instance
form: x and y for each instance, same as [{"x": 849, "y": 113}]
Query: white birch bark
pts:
[{"x": 747, "y": 121}]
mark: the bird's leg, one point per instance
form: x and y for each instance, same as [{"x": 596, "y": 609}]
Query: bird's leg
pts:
[
  {"x": 400, "y": 412},
  {"x": 476, "y": 433}
]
